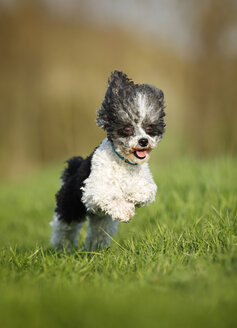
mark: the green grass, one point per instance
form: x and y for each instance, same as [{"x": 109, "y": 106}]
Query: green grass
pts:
[{"x": 174, "y": 265}]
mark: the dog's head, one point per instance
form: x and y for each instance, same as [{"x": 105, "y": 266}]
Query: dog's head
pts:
[{"x": 133, "y": 117}]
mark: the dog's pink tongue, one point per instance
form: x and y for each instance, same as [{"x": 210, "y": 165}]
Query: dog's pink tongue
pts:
[{"x": 141, "y": 153}]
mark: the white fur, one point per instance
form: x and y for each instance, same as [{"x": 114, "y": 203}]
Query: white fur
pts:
[
  {"x": 115, "y": 187},
  {"x": 100, "y": 231},
  {"x": 143, "y": 107},
  {"x": 64, "y": 235}
]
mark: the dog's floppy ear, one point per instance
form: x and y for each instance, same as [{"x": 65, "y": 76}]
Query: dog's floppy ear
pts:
[
  {"x": 161, "y": 100},
  {"x": 119, "y": 85},
  {"x": 117, "y": 81},
  {"x": 159, "y": 94}
]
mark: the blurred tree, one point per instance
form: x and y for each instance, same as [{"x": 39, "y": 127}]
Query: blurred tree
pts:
[{"x": 213, "y": 79}]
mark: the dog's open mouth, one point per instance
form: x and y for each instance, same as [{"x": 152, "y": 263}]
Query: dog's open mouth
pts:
[{"x": 140, "y": 153}]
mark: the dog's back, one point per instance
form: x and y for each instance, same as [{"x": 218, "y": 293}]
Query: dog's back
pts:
[
  {"x": 74, "y": 164},
  {"x": 69, "y": 206}
]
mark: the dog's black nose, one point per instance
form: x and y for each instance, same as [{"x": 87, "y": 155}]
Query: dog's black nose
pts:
[{"x": 143, "y": 142}]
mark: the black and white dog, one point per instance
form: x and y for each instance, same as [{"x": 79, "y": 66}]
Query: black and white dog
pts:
[{"x": 108, "y": 185}]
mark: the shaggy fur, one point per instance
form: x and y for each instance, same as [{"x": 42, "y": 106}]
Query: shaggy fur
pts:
[{"x": 108, "y": 185}]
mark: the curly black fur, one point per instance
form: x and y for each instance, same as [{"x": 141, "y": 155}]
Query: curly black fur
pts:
[{"x": 69, "y": 205}]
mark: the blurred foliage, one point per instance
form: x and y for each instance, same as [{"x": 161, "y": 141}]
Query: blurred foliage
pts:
[
  {"x": 213, "y": 79},
  {"x": 54, "y": 73}
]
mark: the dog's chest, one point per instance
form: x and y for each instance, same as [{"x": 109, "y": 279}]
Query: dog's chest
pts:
[
  {"x": 132, "y": 181},
  {"x": 138, "y": 185},
  {"x": 134, "y": 184}
]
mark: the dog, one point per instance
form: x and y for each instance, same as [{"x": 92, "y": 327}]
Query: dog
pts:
[{"x": 108, "y": 185}]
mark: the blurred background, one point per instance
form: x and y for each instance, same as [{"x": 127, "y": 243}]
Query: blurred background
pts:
[{"x": 56, "y": 57}]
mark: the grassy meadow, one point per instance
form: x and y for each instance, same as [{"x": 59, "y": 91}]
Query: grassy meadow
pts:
[{"x": 174, "y": 265}]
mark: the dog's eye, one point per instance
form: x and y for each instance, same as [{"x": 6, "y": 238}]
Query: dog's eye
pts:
[
  {"x": 149, "y": 129},
  {"x": 128, "y": 130}
]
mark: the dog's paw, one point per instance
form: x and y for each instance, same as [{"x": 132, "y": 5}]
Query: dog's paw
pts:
[
  {"x": 126, "y": 217},
  {"x": 123, "y": 211}
]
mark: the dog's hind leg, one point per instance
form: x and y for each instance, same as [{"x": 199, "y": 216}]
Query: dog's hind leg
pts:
[
  {"x": 100, "y": 231},
  {"x": 64, "y": 235}
]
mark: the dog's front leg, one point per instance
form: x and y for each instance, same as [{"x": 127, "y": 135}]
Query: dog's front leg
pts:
[
  {"x": 102, "y": 193},
  {"x": 100, "y": 231},
  {"x": 109, "y": 201},
  {"x": 120, "y": 209}
]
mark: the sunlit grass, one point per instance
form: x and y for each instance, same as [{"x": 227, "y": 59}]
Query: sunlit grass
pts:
[{"x": 174, "y": 265}]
